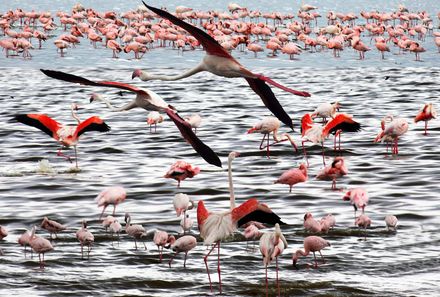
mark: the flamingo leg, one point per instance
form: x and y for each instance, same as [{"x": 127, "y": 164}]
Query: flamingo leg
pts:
[
  {"x": 316, "y": 262},
  {"x": 143, "y": 241},
  {"x": 171, "y": 260},
  {"x": 178, "y": 183},
  {"x": 278, "y": 281},
  {"x": 305, "y": 153},
  {"x": 267, "y": 285},
  {"x": 76, "y": 157},
  {"x": 323, "y": 157},
  {"x": 82, "y": 256},
  {"x": 426, "y": 128},
  {"x": 268, "y": 146},
  {"x": 322, "y": 257},
  {"x": 59, "y": 153},
  {"x": 103, "y": 209},
  {"x": 205, "y": 259},
  {"x": 184, "y": 260},
  {"x": 218, "y": 267},
  {"x": 135, "y": 244},
  {"x": 262, "y": 140},
  {"x": 334, "y": 184}
]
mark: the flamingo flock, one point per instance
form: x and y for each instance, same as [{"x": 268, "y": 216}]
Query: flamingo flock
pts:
[{"x": 216, "y": 227}]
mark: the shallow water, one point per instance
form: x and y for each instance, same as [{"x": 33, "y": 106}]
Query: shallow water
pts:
[{"x": 404, "y": 263}]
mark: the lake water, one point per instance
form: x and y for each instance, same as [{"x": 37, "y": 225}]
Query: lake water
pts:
[{"x": 405, "y": 263}]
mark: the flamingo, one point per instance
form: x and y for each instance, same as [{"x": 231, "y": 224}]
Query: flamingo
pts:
[
  {"x": 272, "y": 245},
  {"x": 426, "y": 114},
  {"x": 310, "y": 224},
  {"x": 181, "y": 170},
  {"x": 219, "y": 62},
  {"x": 391, "y": 222},
  {"x": 270, "y": 125},
  {"x": 251, "y": 232},
  {"x": 326, "y": 110},
  {"x": 311, "y": 244},
  {"x": 182, "y": 203},
  {"x": 52, "y": 226},
  {"x": 40, "y": 245},
  {"x": 340, "y": 123},
  {"x": 313, "y": 133},
  {"x": 393, "y": 130},
  {"x": 358, "y": 197},
  {"x": 115, "y": 227},
  {"x": 147, "y": 100},
  {"x": 107, "y": 221},
  {"x": 85, "y": 237},
  {"x": 186, "y": 223},
  {"x": 336, "y": 169},
  {"x": 23, "y": 240},
  {"x": 195, "y": 120},
  {"x": 327, "y": 222},
  {"x": 154, "y": 118},
  {"x": 160, "y": 239},
  {"x": 216, "y": 226},
  {"x": 135, "y": 231},
  {"x": 66, "y": 135},
  {"x": 3, "y": 234},
  {"x": 293, "y": 176},
  {"x": 363, "y": 221},
  {"x": 111, "y": 195},
  {"x": 182, "y": 244}
]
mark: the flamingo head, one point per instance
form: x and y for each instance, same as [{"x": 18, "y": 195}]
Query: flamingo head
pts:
[
  {"x": 233, "y": 155},
  {"x": 74, "y": 106},
  {"x": 307, "y": 216},
  {"x": 96, "y": 97},
  {"x": 136, "y": 73}
]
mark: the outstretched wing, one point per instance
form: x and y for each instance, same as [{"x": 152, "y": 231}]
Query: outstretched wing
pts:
[
  {"x": 269, "y": 100},
  {"x": 341, "y": 122},
  {"x": 204, "y": 151},
  {"x": 211, "y": 46},
  {"x": 40, "y": 121},
  {"x": 83, "y": 81},
  {"x": 252, "y": 210},
  {"x": 92, "y": 124}
]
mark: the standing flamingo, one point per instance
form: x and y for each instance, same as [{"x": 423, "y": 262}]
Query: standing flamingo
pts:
[
  {"x": 23, "y": 240},
  {"x": 107, "y": 221},
  {"x": 326, "y": 110},
  {"x": 270, "y": 125},
  {"x": 135, "y": 231},
  {"x": 327, "y": 222},
  {"x": 391, "y": 222},
  {"x": 160, "y": 239},
  {"x": 85, "y": 237},
  {"x": 340, "y": 123},
  {"x": 195, "y": 120},
  {"x": 182, "y": 244},
  {"x": 363, "y": 221},
  {"x": 271, "y": 246},
  {"x": 52, "y": 226},
  {"x": 115, "y": 227},
  {"x": 358, "y": 197},
  {"x": 147, "y": 100},
  {"x": 293, "y": 176},
  {"x": 336, "y": 169},
  {"x": 426, "y": 114},
  {"x": 111, "y": 195},
  {"x": 154, "y": 118},
  {"x": 186, "y": 223},
  {"x": 219, "y": 62},
  {"x": 393, "y": 130},
  {"x": 216, "y": 226},
  {"x": 311, "y": 244},
  {"x": 40, "y": 245},
  {"x": 251, "y": 232},
  {"x": 181, "y": 170},
  {"x": 66, "y": 135}
]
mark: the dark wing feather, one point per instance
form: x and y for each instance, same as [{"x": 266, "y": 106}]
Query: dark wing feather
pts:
[
  {"x": 92, "y": 124},
  {"x": 40, "y": 121},
  {"x": 269, "y": 100},
  {"x": 211, "y": 46},
  {"x": 346, "y": 127},
  {"x": 204, "y": 151},
  {"x": 270, "y": 218},
  {"x": 83, "y": 81}
]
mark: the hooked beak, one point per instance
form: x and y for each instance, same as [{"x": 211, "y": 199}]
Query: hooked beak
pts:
[{"x": 136, "y": 73}]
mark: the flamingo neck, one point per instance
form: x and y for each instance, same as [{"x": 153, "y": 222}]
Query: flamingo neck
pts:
[
  {"x": 299, "y": 253},
  {"x": 231, "y": 185},
  {"x": 114, "y": 109},
  {"x": 145, "y": 77},
  {"x": 75, "y": 116}
]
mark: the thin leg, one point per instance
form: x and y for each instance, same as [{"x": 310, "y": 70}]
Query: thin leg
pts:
[
  {"x": 262, "y": 140},
  {"x": 323, "y": 157},
  {"x": 290, "y": 191},
  {"x": 143, "y": 241},
  {"x": 135, "y": 244},
  {"x": 82, "y": 251},
  {"x": 322, "y": 257},
  {"x": 268, "y": 147},
  {"x": 305, "y": 153},
  {"x": 103, "y": 209},
  {"x": 76, "y": 157},
  {"x": 426, "y": 128},
  {"x": 267, "y": 285},
  {"x": 160, "y": 253},
  {"x": 278, "y": 281},
  {"x": 184, "y": 259},
  {"x": 316, "y": 262},
  {"x": 171, "y": 260},
  {"x": 206, "y": 264},
  {"x": 218, "y": 266}
]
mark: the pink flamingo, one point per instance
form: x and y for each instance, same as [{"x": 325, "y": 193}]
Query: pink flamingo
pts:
[
  {"x": 160, "y": 239},
  {"x": 382, "y": 46},
  {"x": 327, "y": 222},
  {"x": 52, "y": 226},
  {"x": 341, "y": 123},
  {"x": 310, "y": 224},
  {"x": 291, "y": 49},
  {"x": 115, "y": 227},
  {"x": 255, "y": 47},
  {"x": 23, "y": 240},
  {"x": 147, "y": 100},
  {"x": 216, "y": 226},
  {"x": 218, "y": 61},
  {"x": 107, "y": 221},
  {"x": 85, "y": 237},
  {"x": 393, "y": 130},
  {"x": 135, "y": 231},
  {"x": 313, "y": 133},
  {"x": 293, "y": 176},
  {"x": 40, "y": 245},
  {"x": 358, "y": 197},
  {"x": 416, "y": 48},
  {"x": 311, "y": 244},
  {"x": 111, "y": 195},
  {"x": 426, "y": 114},
  {"x": 333, "y": 171},
  {"x": 115, "y": 47},
  {"x": 363, "y": 221},
  {"x": 270, "y": 125},
  {"x": 181, "y": 170},
  {"x": 251, "y": 232},
  {"x": 391, "y": 222},
  {"x": 3, "y": 234},
  {"x": 154, "y": 118},
  {"x": 272, "y": 245},
  {"x": 182, "y": 244}
]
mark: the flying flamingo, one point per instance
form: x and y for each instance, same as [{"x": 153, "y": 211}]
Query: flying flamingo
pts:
[
  {"x": 426, "y": 114},
  {"x": 271, "y": 246},
  {"x": 218, "y": 61},
  {"x": 66, "y": 135},
  {"x": 85, "y": 237},
  {"x": 336, "y": 169},
  {"x": 182, "y": 244},
  {"x": 293, "y": 176},
  {"x": 216, "y": 226},
  {"x": 391, "y": 222},
  {"x": 270, "y": 125},
  {"x": 40, "y": 245},
  {"x": 147, "y": 100},
  {"x": 311, "y": 244},
  {"x": 358, "y": 197},
  {"x": 135, "y": 231},
  {"x": 111, "y": 195},
  {"x": 181, "y": 170},
  {"x": 52, "y": 226},
  {"x": 3, "y": 234}
]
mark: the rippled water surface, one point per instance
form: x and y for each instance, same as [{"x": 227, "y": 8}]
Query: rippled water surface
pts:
[{"x": 404, "y": 263}]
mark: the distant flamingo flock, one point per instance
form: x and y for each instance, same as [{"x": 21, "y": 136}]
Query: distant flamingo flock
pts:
[{"x": 220, "y": 33}]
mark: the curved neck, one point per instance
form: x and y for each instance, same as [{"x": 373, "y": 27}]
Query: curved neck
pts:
[
  {"x": 231, "y": 185},
  {"x": 75, "y": 116},
  {"x": 123, "y": 108},
  {"x": 186, "y": 74},
  {"x": 299, "y": 253}
]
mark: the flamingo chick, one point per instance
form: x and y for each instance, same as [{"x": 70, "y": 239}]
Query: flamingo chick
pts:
[
  {"x": 182, "y": 244},
  {"x": 311, "y": 244},
  {"x": 111, "y": 195}
]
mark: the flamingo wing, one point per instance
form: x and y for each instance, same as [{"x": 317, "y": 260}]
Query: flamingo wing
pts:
[
  {"x": 269, "y": 100},
  {"x": 341, "y": 122},
  {"x": 185, "y": 129},
  {"x": 91, "y": 124},
  {"x": 211, "y": 46},
  {"x": 252, "y": 210},
  {"x": 83, "y": 81},
  {"x": 40, "y": 121}
]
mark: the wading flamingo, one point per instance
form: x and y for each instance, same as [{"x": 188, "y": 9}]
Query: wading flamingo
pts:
[
  {"x": 181, "y": 170},
  {"x": 392, "y": 130},
  {"x": 135, "y": 231},
  {"x": 358, "y": 197},
  {"x": 160, "y": 239},
  {"x": 311, "y": 244},
  {"x": 115, "y": 227},
  {"x": 52, "y": 226},
  {"x": 336, "y": 169},
  {"x": 271, "y": 246},
  {"x": 391, "y": 222},
  {"x": 154, "y": 118},
  {"x": 340, "y": 123},
  {"x": 111, "y": 195},
  {"x": 182, "y": 244},
  {"x": 326, "y": 110},
  {"x": 218, "y": 61},
  {"x": 66, "y": 135},
  {"x": 85, "y": 237},
  {"x": 40, "y": 245},
  {"x": 3, "y": 234},
  {"x": 293, "y": 176},
  {"x": 426, "y": 114},
  {"x": 147, "y": 100},
  {"x": 216, "y": 226},
  {"x": 23, "y": 240}
]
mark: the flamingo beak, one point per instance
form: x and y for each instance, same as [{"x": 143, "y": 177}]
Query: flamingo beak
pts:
[{"x": 136, "y": 73}]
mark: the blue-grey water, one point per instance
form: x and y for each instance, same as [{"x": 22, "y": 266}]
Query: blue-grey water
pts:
[{"x": 404, "y": 263}]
